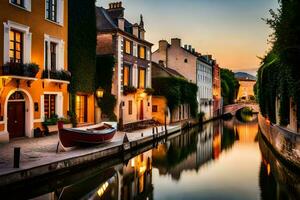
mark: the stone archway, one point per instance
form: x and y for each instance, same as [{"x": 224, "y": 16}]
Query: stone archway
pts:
[{"x": 13, "y": 104}]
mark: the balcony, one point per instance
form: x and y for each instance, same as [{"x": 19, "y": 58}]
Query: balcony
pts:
[
  {"x": 19, "y": 71},
  {"x": 57, "y": 76}
]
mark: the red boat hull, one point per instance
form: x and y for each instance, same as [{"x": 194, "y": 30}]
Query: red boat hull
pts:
[{"x": 71, "y": 138}]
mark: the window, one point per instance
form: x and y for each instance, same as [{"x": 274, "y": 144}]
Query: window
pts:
[
  {"x": 154, "y": 108},
  {"x": 51, "y": 10},
  {"x": 126, "y": 75},
  {"x": 186, "y": 60},
  {"x": 18, "y": 3},
  {"x": 16, "y": 46},
  {"x": 128, "y": 47},
  {"x": 142, "y": 78},
  {"x": 49, "y": 105},
  {"x": 142, "y": 52},
  {"x": 130, "y": 107},
  {"x": 53, "y": 56},
  {"x": 81, "y": 108}
]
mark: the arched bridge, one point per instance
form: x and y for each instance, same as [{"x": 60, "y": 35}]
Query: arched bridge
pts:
[{"x": 233, "y": 108}]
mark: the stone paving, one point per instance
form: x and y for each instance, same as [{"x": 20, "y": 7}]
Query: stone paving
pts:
[{"x": 40, "y": 151}]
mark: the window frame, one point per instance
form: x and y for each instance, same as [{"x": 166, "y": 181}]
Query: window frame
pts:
[
  {"x": 21, "y": 4},
  {"x": 51, "y": 9},
  {"x": 21, "y": 43},
  {"x": 50, "y": 101},
  {"x": 139, "y": 52},
  {"x": 125, "y": 47},
  {"x": 129, "y": 81},
  {"x": 139, "y": 78}
]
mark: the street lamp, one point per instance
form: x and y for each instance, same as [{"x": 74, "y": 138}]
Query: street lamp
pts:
[{"x": 99, "y": 92}]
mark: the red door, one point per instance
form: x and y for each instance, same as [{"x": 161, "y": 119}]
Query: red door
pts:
[
  {"x": 141, "y": 110},
  {"x": 16, "y": 119}
]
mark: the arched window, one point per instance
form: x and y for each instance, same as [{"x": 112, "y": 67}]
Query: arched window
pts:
[{"x": 186, "y": 60}]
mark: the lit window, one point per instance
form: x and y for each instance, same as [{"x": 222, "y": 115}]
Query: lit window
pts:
[
  {"x": 16, "y": 47},
  {"x": 49, "y": 105},
  {"x": 142, "y": 78},
  {"x": 81, "y": 108},
  {"x": 51, "y": 10},
  {"x": 128, "y": 47},
  {"x": 126, "y": 75},
  {"x": 142, "y": 52}
]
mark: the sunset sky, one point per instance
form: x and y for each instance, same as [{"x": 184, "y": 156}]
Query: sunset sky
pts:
[{"x": 231, "y": 30}]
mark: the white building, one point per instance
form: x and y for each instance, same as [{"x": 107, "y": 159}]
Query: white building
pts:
[{"x": 205, "y": 85}]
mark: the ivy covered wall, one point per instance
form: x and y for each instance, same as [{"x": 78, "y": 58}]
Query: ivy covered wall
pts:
[
  {"x": 177, "y": 91},
  {"x": 82, "y": 47}
]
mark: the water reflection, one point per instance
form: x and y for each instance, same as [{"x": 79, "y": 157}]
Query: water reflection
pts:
[{"x": 221, "y": 160}]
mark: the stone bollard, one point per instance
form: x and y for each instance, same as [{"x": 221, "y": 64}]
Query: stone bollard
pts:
[{"x": 17, "y": 151}]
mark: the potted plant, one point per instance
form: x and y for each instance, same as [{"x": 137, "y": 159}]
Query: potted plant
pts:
[
  {"x": 149, "y": 91},
  {"x": 129, "y": 90},
  {"x": 30, "y": 69}
]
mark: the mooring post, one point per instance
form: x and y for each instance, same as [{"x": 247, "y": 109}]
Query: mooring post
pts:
[{"x": 17, "y": 151}]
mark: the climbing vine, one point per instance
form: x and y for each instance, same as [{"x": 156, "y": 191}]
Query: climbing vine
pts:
[
  {"x": 105, "y": 69},
  {"x": 177, "y": 91}
]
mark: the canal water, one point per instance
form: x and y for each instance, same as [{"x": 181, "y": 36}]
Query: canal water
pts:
[{"x": 222, "y": 160}]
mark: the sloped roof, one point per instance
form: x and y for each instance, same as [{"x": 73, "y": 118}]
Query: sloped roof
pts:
[{"x": 171, "y": 72}]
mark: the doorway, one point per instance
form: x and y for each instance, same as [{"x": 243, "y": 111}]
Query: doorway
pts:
[
  {"x": 16, "y": 115},
  {"x": 141, "y": 110}
]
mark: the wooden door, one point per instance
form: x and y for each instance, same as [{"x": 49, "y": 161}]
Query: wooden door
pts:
[
  {"x": 16, "y": 119},
  {"x": 141, "y": 110}
]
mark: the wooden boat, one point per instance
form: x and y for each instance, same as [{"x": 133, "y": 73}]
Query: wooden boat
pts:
[{"x": 96, "y": 134}]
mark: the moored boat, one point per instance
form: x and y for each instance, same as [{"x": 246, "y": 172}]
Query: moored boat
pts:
[{"x": 95, "y": 134}]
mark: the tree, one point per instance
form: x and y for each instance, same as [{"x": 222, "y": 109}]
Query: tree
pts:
[{"x": 229, "y": 86}]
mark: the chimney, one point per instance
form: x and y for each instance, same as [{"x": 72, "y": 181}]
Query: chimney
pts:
[
  {"x": 142, "y": 29},
  {"x": 176, "y": 42},
  {"x": 135, "y": 30},
  {"x": 185, "y": 46},
  {"x": 116, "y": 10},
  {"x": 121, "y": 23},
  {"x": 190, "y": 47},
  {"x": 193, "y": 50},
  {"x": 163, "y": 45}
]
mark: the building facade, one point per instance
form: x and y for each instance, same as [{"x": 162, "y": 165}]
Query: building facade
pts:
[
  {"x": 160, "y": 110},
  {"x": 33, "y": 75},
  {"x": 217, "y": 96},
  {"x": 132, "y": 72},
  {"x": 205, "y": 86},
  {"x": 174, "y": 56}
]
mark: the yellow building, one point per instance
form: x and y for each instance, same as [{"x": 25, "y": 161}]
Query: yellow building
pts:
[
  {"x": 33, "y": 64},
  {"x": 246, "y": 90}
]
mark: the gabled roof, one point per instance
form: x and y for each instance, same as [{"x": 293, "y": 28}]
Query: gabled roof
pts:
[
  {"x": 171, "y": 72},
  {"x": 108, "y": 22}
]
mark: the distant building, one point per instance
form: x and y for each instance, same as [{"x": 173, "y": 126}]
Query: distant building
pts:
[
  {"x": 159, "y": 103},
  {"x": 174, "y": 56},
  {"x": 132, "y": 72},
  {"x": 205, "y": 85},
  {"x": 217, "y": 96},
  {"x": 246, "y": 90}
]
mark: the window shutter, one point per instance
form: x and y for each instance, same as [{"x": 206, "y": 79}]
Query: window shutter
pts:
[
  {"x": 42, "y": 108},
  {"x": 61, "y": 52},
  {"x": 135, "y": 49},
  {"x": 27, "y": 47},
  {"x": 6, "y": 44},
  {"x": 59, "y": 105},
  {"x": 28, "y": 5}
]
